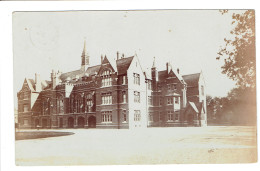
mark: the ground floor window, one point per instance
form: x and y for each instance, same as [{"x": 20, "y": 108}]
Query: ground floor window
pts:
[
  {"x": 124, "y": 115},
  {"x": 106, "y": 116},
  {"x": 170, "y": 115},
  {"x": 25, "y": 122},
  {"x": 150, "y": 117},
  {"x": 137, "y": 115},
  {"x": 176, "y": 116}
]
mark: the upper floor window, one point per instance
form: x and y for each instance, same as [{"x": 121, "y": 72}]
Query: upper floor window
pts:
[
  {"x": 79, "y": 104},
  {"x": 89, "y": 103},
  {"x": 176, "y": 100},
  {"x": 136, "y": 96},
  {"x": 124, "y": 79},
  {"x": 106, "y": 116},
  {"x": 136, "y": 79},
  {"x": 106, "y": 98},
  {"x": 106, "y": 78},
  {"x": 169, "y": 100},
  {"x": 150, "y": 100},
  {"x": 26, "y": 108},
  {"x": 159, "y": 88},
  {"x": 170, "y": 115},
  {"x": 137, "y": 115},
  {"x": 169, "y": 86},
  {"x": 202, "y": 90},
  {"x": 60, "y": 104},
  {"x": 124, "y": 96},
  {"x": 149, "y": 84},
  {"x": 160, "y": 101},
  {"x": 26, "y": 96}
]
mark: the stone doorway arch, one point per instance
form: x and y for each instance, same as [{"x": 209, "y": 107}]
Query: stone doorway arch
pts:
[
  {"x": 92, "y": 122},
  {"x": 81, "y": 122},
  {"x": 70, "y": 122}
]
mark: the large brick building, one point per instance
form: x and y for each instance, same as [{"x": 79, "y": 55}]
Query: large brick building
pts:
[{"x": 115, "y": 94}]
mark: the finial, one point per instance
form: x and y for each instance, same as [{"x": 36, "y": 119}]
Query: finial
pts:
[{"x": 153, "y": 62}]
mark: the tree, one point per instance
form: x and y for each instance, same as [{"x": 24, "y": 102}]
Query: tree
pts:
[{"x": 239, "y": 50}]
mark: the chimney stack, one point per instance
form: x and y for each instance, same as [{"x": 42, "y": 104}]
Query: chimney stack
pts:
[
  {"x": 167, "y": 67},
  {"x": 178, "y": 70},
  {"x": 117, "y": 53},
  {"x": 123, "y": 55},
  {"x": 101, "y": 59}
]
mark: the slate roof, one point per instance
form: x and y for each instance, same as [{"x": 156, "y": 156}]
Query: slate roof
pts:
[
  {"x": 192, "y": 79},
  {"x": 31, "y": 84},
  {"x": 123, "y": 65}
]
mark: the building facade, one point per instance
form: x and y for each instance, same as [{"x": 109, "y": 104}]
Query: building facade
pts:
[{"x": 115, "y": 94}]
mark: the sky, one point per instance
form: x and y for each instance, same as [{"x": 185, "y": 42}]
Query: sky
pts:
[{"x": 189, "y": 39}]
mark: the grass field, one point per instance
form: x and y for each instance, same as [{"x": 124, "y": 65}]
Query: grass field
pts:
[{"x": 144, "y": 146}]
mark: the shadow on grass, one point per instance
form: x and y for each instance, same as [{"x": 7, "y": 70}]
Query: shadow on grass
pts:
[{"x": 40, "y": 134}]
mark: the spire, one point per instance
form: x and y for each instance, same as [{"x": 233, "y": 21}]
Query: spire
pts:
[
  {"x": 84, "y": 56},
  {"x": 153, "y": 62}
]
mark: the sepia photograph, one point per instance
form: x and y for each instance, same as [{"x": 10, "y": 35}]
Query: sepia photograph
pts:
[{"x": 134, "y": 87}]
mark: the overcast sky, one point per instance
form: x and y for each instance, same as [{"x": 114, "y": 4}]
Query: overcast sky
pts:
[{"x": 189, "y": 39}]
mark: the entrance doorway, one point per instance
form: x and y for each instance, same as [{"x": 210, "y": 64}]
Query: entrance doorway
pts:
[
  {"x": 92, "y": 122},
  {"x": 190, "y": 119},
  {"x": 70, "y": 122},
  {"x": 37, "y": 123},
  {"x": 81, "y": 122},
  {"x": 61, "y": 123},
  {"x": 44, "y": 123}
]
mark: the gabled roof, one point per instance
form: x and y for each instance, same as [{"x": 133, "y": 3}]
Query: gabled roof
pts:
[
  {"x": 123, "y": 65},
  {"x": 162, "y": 75},
  {"x": 194, "y": 107},
  {"x": 192, "y": 79},
  {"x": 31, "y": 84}
]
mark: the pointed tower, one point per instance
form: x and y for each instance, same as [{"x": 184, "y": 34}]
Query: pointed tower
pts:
[
  {"x": 84, "y": 58},
  {"x": 154, "y": 76}
]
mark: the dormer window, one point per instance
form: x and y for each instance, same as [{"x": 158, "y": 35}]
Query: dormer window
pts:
[{"x": 106, "y": 78}]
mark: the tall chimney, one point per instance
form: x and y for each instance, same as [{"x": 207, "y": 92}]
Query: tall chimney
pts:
[
  {"x": 167, "y": 67},
  {"x": 117, "y": 53},
  {"x": 101, "y": 59},
  {"x": 178, "y": 70}
]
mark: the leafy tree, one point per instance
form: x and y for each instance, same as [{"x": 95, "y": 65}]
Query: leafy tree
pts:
[{"x": 239, "y": 50}]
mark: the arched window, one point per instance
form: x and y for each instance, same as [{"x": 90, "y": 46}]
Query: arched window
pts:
[
  {"x": 79, "y": 103},
  {"x": 106, "y": 78},
  {"x": 89, "y": 103},
  {"x": 59, "y": 104}
]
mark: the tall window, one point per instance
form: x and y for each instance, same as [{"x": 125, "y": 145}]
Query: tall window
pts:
[
  {"x": 71, "y": 104},
  {"x": 124, "y": 79},
  {"x": 175, "y": 86},
  {"x": 169, "y": 100},
  {"x": 202, "y": 90},
  {"x": 26, "y": 108},
  {"x": 149, "y": 84},
  {"x": 170, "y": 115},
  {"x": 137, "y": 115},
  {"x": 89, "y": 103},
  {"x": 106, "y": 98},
  {"x": 136, "y": 96},
  {"x": 124, "y": 115},
  {"x": 59, "y": 104},
  {"x": 136, "y": 79},
  {"x": 106, "y": 78},
  {"x": 160, "y": 101},
  {"x": 106, "y": 116},
  {"x": 176, "y": 116},
  {"x": 79, "y": 104},
  {"x": 150, "y": 116},
  {"x": 150, "y": 100},
  {"x": 176, "y": 100},
  {"x": 124, "y": 96}
]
